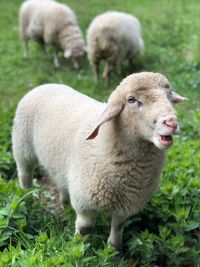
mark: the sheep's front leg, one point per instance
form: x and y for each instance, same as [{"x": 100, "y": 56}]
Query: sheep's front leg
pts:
[
  {"x": 85, "y": 222},
  {"x": 107, "y": 72},
  {"x": 116, "y": 233},
  {"x": 119, "y": 59},
  {"x": 56, "y": 60}
]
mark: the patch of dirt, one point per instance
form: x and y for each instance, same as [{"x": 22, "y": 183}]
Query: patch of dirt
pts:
[{"x": 49, "y": 195}]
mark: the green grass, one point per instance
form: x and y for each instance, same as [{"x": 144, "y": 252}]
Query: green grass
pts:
[{"x": 167, "y": 231}]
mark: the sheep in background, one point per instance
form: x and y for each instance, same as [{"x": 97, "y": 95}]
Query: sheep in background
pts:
[
  {"x": 49, "y": 22},
  {"x": 118, "y": 166},
  {"x": 113, "y": 37}
]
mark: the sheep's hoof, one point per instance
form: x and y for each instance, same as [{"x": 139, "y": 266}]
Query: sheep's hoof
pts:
[
  {"x": 84, "y": 230},
  {"x": 116, "y": 245},
  {"x": 56, "y": 63},
  {"x": 25, "y": 183}
]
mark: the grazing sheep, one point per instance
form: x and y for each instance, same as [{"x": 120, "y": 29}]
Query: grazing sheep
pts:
[
  {"x": 114, "y": 37},
  {"x": 108, "y": 157},
  {"x": 49, "y": 22}
]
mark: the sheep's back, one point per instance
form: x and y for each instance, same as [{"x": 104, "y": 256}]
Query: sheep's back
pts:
[
  {"x": 56, "y": 114},
  {"x": 113, "y": 32},
  {"x": 45, "y": 17}
]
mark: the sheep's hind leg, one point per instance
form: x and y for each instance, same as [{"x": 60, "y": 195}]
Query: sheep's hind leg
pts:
[
  {"x": 95, "y": 68},
  {"x": 64, "y": 196},
  {"x": 85, "y": 222},
  {"x": 44, "y": 51},
  {"x": 25, "y": 44},
  {"x": 25, "y": 174},
  {"x": 116, "y": 233}
]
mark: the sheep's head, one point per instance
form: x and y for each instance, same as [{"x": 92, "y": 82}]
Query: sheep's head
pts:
[
  {"x": 142, "y": 106},
  {"x": 76, "y": 54}
]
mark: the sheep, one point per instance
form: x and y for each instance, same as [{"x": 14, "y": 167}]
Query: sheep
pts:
[
  {"x": 49, "y": 22},
  {"x": 113, "y": 36},
  {"x": 106, "y": 157}
]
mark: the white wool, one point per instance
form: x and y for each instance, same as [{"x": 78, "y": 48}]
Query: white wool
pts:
[
  {"x": 114, "y": 37},
  {"x": 119, "y": 167},
  {"x": 49, "y": 22}
]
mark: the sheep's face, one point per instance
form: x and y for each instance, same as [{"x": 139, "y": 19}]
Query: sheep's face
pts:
[
  {"x": 76, "y": 54},
  {"x": 150, "y": 111},
  {"x": 148, "y": 108},
  {"x": 143, "y": 104}
]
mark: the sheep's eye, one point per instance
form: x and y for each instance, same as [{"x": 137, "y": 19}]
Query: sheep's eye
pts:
[{"x": 131, "y": 99}]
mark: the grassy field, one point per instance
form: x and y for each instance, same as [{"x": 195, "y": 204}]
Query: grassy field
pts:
[{"x": 167, "y": 231}]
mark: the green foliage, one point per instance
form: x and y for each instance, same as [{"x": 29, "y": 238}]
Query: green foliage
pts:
[
  {"x": 50, "y": 252},
  {"x": 24, "y": 243},
  {"x": 7, "y": 165},
  {"x": 13, "y": 211},
  {"x": 167, "y": 231},
  {"x": 170, "y": 223}
]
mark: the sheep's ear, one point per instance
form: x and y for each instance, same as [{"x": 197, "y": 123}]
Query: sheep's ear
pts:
[
  {"x": 109, "y": 113},
  {"x": 175, "y": 98},
  {"x": 67, "y": 53}
]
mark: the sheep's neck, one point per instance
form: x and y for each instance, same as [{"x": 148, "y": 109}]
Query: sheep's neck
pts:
[{"x": 117, "y": 141}]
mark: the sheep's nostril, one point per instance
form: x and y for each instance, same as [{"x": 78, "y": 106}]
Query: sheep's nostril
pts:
[
  {"x": 155, "y": 121},
  {"x": 171, "y": 123}
]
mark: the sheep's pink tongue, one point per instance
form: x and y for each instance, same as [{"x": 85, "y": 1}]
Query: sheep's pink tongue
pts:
[
  {"x": 166, "y": 140},
  {"x": 166, "y": 137}
]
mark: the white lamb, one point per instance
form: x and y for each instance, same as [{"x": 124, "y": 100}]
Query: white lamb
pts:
[
  {"x": 113, "y": 37},
  {"x": 108, "y": 157},
  {"x": 49, "y": 22}
]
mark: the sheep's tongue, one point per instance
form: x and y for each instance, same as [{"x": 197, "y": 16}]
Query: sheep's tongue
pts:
[{"x": 166, "y": 138}]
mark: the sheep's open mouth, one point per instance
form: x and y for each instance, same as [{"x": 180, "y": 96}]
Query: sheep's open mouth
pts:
[{"x": 166, "y": 140}]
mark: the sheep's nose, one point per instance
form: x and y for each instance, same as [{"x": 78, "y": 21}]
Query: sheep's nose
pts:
[{"x": 171, "y": 123}]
